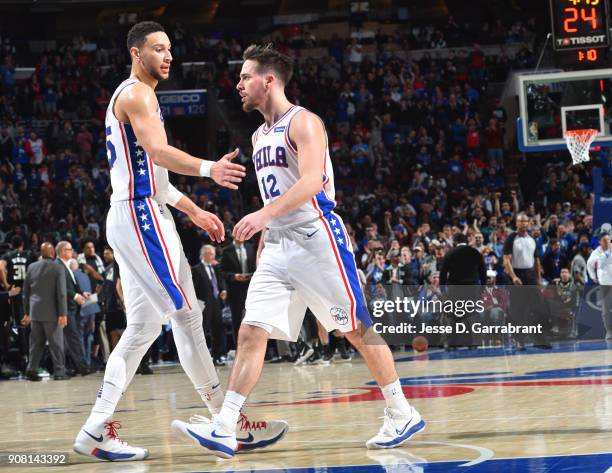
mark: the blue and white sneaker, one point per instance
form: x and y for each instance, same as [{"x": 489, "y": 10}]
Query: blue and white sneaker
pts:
[
  {"x": 249, "y": 435},
  {"x": 397, "y": 428},
  {"x": 107, "y": 445}
]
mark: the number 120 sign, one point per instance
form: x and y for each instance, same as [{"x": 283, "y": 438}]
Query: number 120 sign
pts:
[{"x": 577, "y": 24}]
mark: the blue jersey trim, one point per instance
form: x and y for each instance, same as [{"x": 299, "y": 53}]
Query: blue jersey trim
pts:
[
  {"x": 140, "y": 165},
  {"x": 148, "y": 231},
  {"x": 347, "y": 257}
]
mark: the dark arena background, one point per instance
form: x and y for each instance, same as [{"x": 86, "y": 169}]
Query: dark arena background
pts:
[{"x": 446, "y": 125}]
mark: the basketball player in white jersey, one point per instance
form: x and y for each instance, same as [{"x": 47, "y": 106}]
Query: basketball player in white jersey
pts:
[
  {"x": 307, "y": 260},
  {"x": 155, "y": 274}
]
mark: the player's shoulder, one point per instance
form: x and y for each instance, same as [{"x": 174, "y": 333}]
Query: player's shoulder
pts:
[
  {"x": 305, "y": 122},
  {"x": 138, "y": 94},
  {"x": 301, "y": 113}
]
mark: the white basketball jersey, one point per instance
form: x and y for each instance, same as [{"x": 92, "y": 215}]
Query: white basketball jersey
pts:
[
  {"x": 133, "y": 174},
  {"x": 276, "y": 164}
]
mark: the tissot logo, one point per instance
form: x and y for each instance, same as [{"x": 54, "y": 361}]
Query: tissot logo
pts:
[
  {"x": 180, "y": 98},
  {"x": 597, "y": 39}
]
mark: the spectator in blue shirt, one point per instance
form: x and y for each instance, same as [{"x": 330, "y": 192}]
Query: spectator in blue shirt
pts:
[
  {"x": 458, "y": 130},
  {"x": 553, "y": 260},
  {"x": 566, "y": 239},
  {"x": 455, "y": 165},
  {"x": 359, "y": 155}
]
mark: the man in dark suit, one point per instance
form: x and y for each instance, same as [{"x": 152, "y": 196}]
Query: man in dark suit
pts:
[
  {"x": 464, "y": 271},
  {"x": 210, "y": 288},
  {"x": 44, "y": 302},
  {"x": 74, "y": 299},
  {"x": 237, "y": 267}
]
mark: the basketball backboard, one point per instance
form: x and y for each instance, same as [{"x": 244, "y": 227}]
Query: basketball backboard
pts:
[{"x": 552, "y": 103}]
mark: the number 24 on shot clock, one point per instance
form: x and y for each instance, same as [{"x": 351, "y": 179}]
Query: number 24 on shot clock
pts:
[{"x": 579, "y": 24}]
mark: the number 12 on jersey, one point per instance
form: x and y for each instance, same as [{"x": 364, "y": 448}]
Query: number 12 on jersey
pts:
[{"x": 270, "y": 189}]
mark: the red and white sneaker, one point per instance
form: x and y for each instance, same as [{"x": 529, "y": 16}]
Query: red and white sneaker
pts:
[
  {"x": 252, "y": 435},
  {"x": 107, "y": 445}
]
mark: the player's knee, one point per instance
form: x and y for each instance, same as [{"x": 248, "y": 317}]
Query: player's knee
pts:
[
  {"x": 250, "y": 336},
  {"x": 137, "y": 337},
  {"x": 188, "y": 318},
  {"x": 150, "y": 333},
  {"x": 354, "y": 337}
]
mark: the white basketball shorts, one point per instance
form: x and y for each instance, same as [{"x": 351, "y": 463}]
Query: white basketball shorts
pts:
[
  {"x": 155, "y": 274},
  {"x": 312, "y": 266}
]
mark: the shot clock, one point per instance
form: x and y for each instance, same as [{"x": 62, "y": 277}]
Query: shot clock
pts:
[{"x": 580, "y": 27}]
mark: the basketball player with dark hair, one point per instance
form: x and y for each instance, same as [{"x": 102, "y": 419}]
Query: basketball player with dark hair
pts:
[
  {"x": 155, "y": 274},
  {"x": 307, "y": 260},
  {"x": 17, "y": 262}
]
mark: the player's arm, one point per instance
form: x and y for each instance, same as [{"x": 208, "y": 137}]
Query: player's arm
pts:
[
  {"x": 309, "y": 136},
  {"x": 139, "y": 105},
  {"x": 3, "y": 279},
  {"x": 205, "y": 220}
]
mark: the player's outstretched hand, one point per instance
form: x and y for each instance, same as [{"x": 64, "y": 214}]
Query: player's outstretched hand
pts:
[
  {"x": 251, "y": 224},
  {"x": 228, "y": 174},
  {"x": 209, "y": 222}
]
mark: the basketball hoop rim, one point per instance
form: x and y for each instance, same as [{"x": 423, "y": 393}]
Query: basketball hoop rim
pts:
[{"x": 582, "y": 133}]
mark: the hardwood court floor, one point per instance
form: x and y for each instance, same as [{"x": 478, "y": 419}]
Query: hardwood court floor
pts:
[{"x": 494, "y": 410}]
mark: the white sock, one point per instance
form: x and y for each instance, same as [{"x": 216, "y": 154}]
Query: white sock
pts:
[
  {"x": 394, "y": 397},
  {"x": 103, "y": 409},
  {"x": 231, "y": 410},
  {"x": 212, "y": 395}
]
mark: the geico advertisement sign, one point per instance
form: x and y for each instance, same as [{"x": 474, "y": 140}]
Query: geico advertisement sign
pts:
[{"x": 168, "y": 99}]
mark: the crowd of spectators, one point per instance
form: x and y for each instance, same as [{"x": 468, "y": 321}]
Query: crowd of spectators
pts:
[{"x": 419, "y": 146}]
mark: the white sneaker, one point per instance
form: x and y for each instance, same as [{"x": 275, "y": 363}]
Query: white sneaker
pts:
[
  {"x": 210, "y": 435},
  {"x": 397, "y": 428},
  {"x": 249, "y": 435},
  {"x": 306, "y": 353},
  {"x": 107, "y": 445}
]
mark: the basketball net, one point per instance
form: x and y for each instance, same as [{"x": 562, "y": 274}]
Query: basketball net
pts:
[{"x": 579, "y": 142}]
